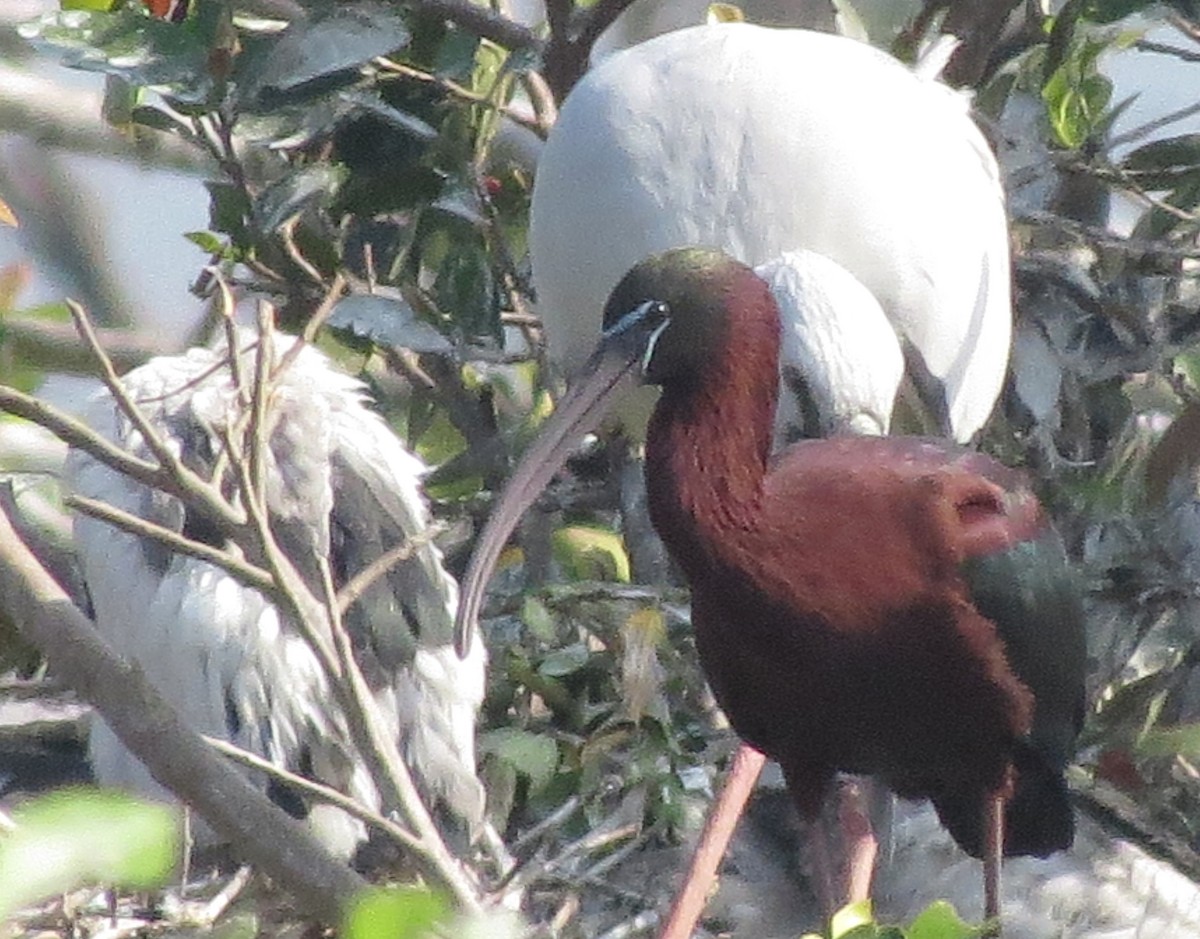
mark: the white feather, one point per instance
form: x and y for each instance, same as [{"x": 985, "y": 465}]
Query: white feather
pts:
[
  {"x": 761, "y": 141},
  {"x": 840, "y": 342},
  {"x": 217, "y": 648}
]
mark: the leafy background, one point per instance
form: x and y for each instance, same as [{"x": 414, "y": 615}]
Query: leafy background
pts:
[{"x": 392, "y": 148}]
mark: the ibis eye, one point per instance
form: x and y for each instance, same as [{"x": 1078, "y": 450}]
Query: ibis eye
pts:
[{"x": 657, "y": 317}]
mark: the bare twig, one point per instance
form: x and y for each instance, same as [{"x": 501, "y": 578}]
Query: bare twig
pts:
[
  {"x": 243, "y": 571},
  {"x": 77, "y": 434},
  {"x": 147, "y": 724},
  {"x": 481, "y": 22},
  {"x": 320, "y": 315},
  {"x": 362, "y": 581},
  {"x": 319, "y": 791},
  {"x": 461, "y": 92},
  {"x": 177, "y": 478}
]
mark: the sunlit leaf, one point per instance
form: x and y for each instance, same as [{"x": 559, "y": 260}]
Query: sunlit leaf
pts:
[
  {"x": 395, "y": 913},
  {"x": 587, "y": 552},
  {"x": 389, "y": 321},
  {"x": 538, "y": 618},
  {"x": 849, "y": 918},
  {"x": 939, "y": 920},
  {"x": 534, "y": 756},
  {"x": 724, "y": 13},
  {"x": 314, "y": 53},
  {"x": 7, "y": 216},
  {"x": 286, "y": 198},
  {"x": 102, "y": 6},
  {"x": 73, "y": 837}
]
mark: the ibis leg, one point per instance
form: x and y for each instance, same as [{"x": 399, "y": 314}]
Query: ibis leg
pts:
[
  {"x": 993, "y": 853},
  {"x": 714, "y": 840},
  {"x": 858, "y": 836},
  {"x": 843, "y": 848}
]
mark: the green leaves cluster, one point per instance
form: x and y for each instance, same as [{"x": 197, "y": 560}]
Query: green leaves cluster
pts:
[
  {"x": 937, "y": 921},
  {"x": 354, "y": 137},
  {"x": 73, "y": 838}
]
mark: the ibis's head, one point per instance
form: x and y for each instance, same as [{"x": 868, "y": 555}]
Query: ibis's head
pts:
[{"x": 666, "y": 319}]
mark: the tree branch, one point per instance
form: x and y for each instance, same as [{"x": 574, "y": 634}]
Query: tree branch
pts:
[{"x": 146, "y": 723}]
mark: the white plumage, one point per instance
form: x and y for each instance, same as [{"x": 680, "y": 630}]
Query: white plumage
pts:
[
  {"x": 841, "y": 361},
  {"x": 763, "y": 141},
  {"x": 339, "y": 484}
]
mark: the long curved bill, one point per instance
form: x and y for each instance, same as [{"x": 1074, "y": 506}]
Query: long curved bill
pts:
[{"x": 579, "y": 412}]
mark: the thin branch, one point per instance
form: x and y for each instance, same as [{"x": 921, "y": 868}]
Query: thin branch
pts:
[
  {"x": 362, "y": 581},
  {"x": 258, "y": 430},
  {"x": 175, "y": 478},
  {"x": 461, "y": 92},
  {"x": 322, "y": 313},
  {"x": 243, "y": 571},
  {"x": 319, "y": 791},
  {"x": 76, "y": 434},
  {"x": 390, "y": 771},
  {"x": 145, "y": 722},
  {"x": 1163, "y": 48},
  {"x": 481, "y": 22}
]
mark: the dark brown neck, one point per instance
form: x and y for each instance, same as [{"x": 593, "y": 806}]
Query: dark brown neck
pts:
[{"x": 709, "y": 441}]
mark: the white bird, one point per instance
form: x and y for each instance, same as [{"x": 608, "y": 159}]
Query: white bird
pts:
[
  {"x": 340, "y": 485},
  {"x": 762, "y": 141}
]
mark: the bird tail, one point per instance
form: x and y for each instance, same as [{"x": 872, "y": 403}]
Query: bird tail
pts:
[{"x": 1038, "y": 819}]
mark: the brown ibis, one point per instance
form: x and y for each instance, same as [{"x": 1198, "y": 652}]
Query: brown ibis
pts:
[{"x": 897, "y": 607}]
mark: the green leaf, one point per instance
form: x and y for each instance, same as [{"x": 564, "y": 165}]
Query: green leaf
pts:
[
  {"x": 534, "y": 756},
  {"x": 1180, "y": 740},
  {"x": 851, "y": 920},
  {"x": 103, "y": 6},
  {"x": 538, "y": 618},
  {"x": 388, "y": 321},
  {"x": 286, "y": 198},
  {"x": 1109, "y": 11},
  {"x": 1075, "y": 105},
  {"x": 206, "y": 241},
  {"x": 588, "y": 552},
  {"x": 395, "y": 913},
  {"x": 565, "y": 661},
  {"x": 132, "y": 45},
  {"x": 1164, "y": 164},
  {"x": 314, "y": 54},
  {"x": 939, "y": 920},
  {"x": 73, "y": 837}
]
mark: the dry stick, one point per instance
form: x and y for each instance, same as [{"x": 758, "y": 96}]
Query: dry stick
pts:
[
  {"x": 306, "y": 612},
  {"x": 361, "y": 582},
  {"x": 76, "y": 434},
  {"x": 318, "y": 791},
  {"x": 266, "y": 836},
  {"x": 246, "y": 573},
  {"x": 321, "y": 627},
  {"x": 174, "y": 478},
  {"x": 398, "y": 789}
]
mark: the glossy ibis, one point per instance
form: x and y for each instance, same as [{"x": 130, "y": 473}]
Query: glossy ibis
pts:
[
  {"x": 898, "y": 607},
  {"x": 342, "y": 486},
  {"x": 763, "y": 141}
]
